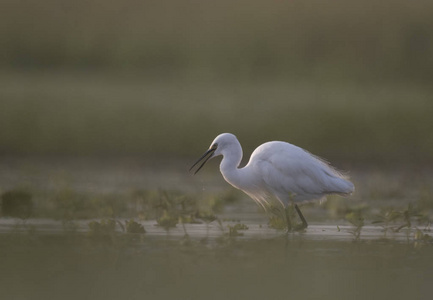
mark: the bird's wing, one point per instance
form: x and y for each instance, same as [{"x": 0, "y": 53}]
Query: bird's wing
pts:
[{"x": 288, "y": 170}]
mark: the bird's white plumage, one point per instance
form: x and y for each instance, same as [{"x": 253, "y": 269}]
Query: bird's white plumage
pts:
[
  {"x": 289, "y": 171},
  {"x": 278, "y": 169}
]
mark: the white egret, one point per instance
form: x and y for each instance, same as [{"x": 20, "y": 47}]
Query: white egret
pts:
[{"x": 277, "y": 170}]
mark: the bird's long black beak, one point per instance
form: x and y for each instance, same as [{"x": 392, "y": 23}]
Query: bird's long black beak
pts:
[{"x": 205, "y": 155}]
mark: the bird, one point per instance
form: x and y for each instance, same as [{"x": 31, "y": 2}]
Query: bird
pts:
[{"x": 277, "y": 170}]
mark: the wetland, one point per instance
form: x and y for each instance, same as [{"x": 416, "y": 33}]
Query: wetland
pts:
[
  {"x": 104, "y": 106},
  {"x": 99, "y": 229}
]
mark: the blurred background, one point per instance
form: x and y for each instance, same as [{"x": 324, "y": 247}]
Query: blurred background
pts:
[
  {"x": 347, "y": 80},
  {"x": 104, "y": 106}
]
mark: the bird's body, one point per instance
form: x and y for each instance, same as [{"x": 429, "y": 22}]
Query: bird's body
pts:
[{"x": 277, "y": 170}]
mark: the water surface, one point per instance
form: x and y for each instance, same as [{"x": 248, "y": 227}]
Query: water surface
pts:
[{"x": 60, "y": 258}]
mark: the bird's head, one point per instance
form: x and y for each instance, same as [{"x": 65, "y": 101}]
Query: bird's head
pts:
[{"x": 218, "y": 147}]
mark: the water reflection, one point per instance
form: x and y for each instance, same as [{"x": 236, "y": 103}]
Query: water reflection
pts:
[{"x": 75, "y": 266}]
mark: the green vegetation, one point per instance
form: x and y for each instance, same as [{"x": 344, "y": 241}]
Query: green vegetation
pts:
[
  {"x": 234, "y": 230},
  {"x": 107, "y": 227},
  {"x": 16, "y": 203},
  {"x": 284, "y": 218},
  {"x": 395, "y": 220},
  {"x": 277, "y": 222},
  {"x": 134, "y": 227},
  {"x": 171, "y": 208},
  {"x": 166, "y": 207},
  {"x": 103, "y": 227},
  {"x": 357, "y": 220},
  {"x": 156, "y": 81}
]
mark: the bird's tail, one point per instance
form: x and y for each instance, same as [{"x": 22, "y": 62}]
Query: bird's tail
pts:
[{"x": 343, "y": 187}]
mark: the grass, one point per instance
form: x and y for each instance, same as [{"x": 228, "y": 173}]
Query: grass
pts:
[
  {"x": 172, "y": 208},
  {"x": 167, "y": 208}
]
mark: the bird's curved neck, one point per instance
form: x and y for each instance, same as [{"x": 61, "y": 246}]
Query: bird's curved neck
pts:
[{"x": 229, "y": 167}]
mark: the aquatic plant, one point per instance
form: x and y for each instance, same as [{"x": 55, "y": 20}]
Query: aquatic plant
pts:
[
  {"x": 103, "y": 227},
  {"x": 337, "y": 207},
  {"x": 233, "y": 231},
  {"x": 17, "y": 203},
  {"x": 394, "y": 220},
  {"x": 167, "y": 220},
  {"x": 240, "y": 226},
  {"x": 283, "y": 218},
  {"x": 134, "y": 227},
  {"x": 421, "y": 236},
  {"x": 277, "y": 222},
  {"x": 421, "y": 239},
  {"x": 356, "y": 218},
  {"x": 68, "y": 204},
  {"x": 387, "y": 217},
  {"x": 108, "y": 227}
]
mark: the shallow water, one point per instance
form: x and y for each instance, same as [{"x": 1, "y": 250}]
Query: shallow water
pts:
[
  {"x": 43, "y": 258},
  {"x": 74, "y": 266}
]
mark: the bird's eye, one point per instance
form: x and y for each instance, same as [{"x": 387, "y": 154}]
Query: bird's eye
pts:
[{"x": 214, "y": 146}]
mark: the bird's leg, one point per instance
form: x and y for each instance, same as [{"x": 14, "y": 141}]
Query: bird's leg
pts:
[
  {"x": 304, "y": 222},
  {"x": 288, "y": 211}
]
